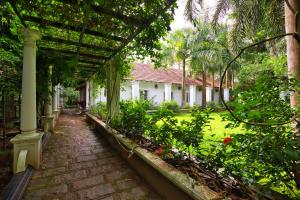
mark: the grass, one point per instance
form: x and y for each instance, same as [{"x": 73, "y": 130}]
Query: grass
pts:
[{"x": 215, "y": 132}]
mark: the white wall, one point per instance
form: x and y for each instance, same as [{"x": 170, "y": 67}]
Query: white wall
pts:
[
  {"x": 176, "y": 93},
  {"x": 198, "y": 96},
  {"x": 154, "y": 94},
  {"x": 216, "y": 96},
  {"x": 126, "y": 91}
]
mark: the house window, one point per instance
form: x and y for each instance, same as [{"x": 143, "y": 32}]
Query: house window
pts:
[
  {"x": 155, "y": 86},
  {"x": 179, "y": 87},
  {"x": 144, "y": 94},
  {"x": 172, "y": 96},
  {"x": 187, "y": 97}
]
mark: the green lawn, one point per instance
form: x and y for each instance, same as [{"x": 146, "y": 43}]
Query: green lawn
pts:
[{"x": 216, "y": 131}]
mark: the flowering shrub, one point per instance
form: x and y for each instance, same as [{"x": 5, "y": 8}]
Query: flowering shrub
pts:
[
  {"x": 227, "y": 140},
  {"x": 265, "y": 155},
  {"x": 191, "y": 132}
]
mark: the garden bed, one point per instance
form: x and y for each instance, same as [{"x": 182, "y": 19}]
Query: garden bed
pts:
[{"x": 163, "y": 176}]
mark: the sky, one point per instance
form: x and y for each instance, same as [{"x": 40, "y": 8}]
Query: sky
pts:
[{"x": 179, "y": 19}]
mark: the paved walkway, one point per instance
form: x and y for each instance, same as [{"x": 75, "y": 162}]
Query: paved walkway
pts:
[{"x": 77, "y": 164}]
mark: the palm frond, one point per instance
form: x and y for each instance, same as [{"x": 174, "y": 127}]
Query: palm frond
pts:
[
  {"x": 191, "y": 10},
  {"x": 221, "y": 9}
]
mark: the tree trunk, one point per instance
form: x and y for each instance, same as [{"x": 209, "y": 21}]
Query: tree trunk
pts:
[
  {"x": 226, "y": 79},
  {"x": 293, "y": 60},
  {"x": 183, "y": 84},
  {"x": 232, "y": 83},
  {"x": 113, "y": 88},
  {"x": 213, "y": 87},
  {"x": 203, "y": 88},
  {"x": 220, "y": 75}
]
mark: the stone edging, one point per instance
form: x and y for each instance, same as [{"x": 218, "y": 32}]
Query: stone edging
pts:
[{"x": 167, "y": 180}]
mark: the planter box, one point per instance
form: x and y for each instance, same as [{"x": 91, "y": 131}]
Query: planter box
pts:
[{"x": 169, "y": 182}]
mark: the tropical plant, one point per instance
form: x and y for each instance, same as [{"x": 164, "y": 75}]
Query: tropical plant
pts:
[{"x": 176, "y": 49}]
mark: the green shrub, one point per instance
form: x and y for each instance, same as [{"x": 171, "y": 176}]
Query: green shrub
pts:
[
  {"x": 70, "y": 96},
  {"x": 162, "y": 126},
  {"x": 215, "y": 106},
  {"x": 170, "y": 105},
  {"x": 99, "y": 109},
  {"x": 133, "y": 117},
  {"x": 191, "y": 132},
  {"x": 266, "y": 154}
]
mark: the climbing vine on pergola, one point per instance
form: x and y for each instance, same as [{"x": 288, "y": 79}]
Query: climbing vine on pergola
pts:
[{"x": 93, "y": 32}]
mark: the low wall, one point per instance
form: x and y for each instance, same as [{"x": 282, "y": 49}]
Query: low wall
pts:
[{"x": 169, "y": 182}]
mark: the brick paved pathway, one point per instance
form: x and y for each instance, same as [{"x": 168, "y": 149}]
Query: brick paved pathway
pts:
[{"x": 77, "y": 164}]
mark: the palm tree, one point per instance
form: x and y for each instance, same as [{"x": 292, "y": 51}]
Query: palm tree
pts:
[
  {"x": 206, "y": 55},
  {"x": 176, "y": 49}
]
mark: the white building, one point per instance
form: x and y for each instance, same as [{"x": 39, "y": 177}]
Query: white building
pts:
[{"x": 157, "y": 85}]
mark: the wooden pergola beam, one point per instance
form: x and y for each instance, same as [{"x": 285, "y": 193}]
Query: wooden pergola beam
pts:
[
  {"x": 69, "y": 42},
  {"x": 132, "y": 20},
  {"x": 151, "y": 19},
  {"x": 127, "y": 19},
  {"x": 74, "y": 53},
  {"x": 45, "y": 22},
  {"x": 89, "y": 62}
]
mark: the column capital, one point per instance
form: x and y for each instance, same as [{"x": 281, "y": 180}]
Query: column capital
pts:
[{"x": 30, "y": 36}]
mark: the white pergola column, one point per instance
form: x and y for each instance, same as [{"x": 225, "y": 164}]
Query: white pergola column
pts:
[
  {"x": 55, "y": 103},
  {"x": 135, "y": 90},
  {"x": 27, "y": 145},
  {"x": 208, "y": 94},
  {"x": 168, "y": 91},
  {"x": 92, "y": 93},
  {"x": 192, "y": 95},
  {"x": 58, "y": 96},
  {"x": 87, "y": 96},
  {"x": 226, "y": 94}
]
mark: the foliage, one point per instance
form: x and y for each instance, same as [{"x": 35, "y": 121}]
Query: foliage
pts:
[
  {"x": 170, "y": 105},
  {"x": 266, "y": 155},
  {"x": 162, "y": 127},
  {"x": 70, "y": 96},
  {"x": 99, "y": 109},
  {"x": 10, "y": 54},
  {"x": 252, "y": 20},
  {"x": 212, "y": 105},
  {"x": 191, "y": 132},
  {"x": 132, "y": 120}
]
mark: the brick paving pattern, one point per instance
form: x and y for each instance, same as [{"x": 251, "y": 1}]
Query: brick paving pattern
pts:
[{"x": 79, "y": 164}]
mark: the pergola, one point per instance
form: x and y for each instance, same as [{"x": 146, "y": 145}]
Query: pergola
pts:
[{"x": 91, "y": 32}]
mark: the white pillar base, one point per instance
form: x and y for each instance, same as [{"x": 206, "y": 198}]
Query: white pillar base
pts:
[
  {"x": 32, "y": 142},
  {"x": 48, "y": 123}
]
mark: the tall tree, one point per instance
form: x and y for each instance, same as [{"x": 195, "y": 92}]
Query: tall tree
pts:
[
  {"x": 292, "y": 7},
  {"x": 177, "y": 49}
]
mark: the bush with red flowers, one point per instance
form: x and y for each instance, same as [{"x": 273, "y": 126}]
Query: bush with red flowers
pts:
[{"x": 227, "y": 140}]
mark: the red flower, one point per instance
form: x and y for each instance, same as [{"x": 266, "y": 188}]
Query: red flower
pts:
[
  {"x": 227, "y": 140},
  {"x": 159, "y": 151}
]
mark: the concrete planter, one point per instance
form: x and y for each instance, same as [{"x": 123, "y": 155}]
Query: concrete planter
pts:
[{"x": 169, "y": 182}]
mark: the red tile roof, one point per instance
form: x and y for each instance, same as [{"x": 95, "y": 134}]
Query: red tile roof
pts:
[{"x": 146, "y": 72}]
